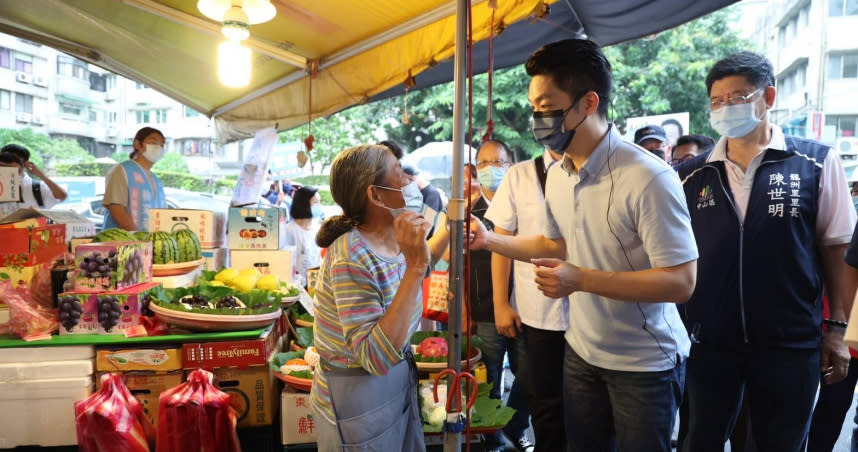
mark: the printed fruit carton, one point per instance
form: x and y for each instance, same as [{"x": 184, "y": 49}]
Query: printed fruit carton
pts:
[
  {"x": 119, "y": 311},
  {"x": 253, "y": 228},
  {"x": 112, "y": 265},
  {"x": 78, "y": 313}
]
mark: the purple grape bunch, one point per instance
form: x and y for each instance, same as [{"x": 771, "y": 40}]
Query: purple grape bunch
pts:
[
  {"x": 96, "y": 265},
  {"x": 109, "y": 311},
  {"x": 145, "y": 303},
  {"x": 197, "y": 301},
  {"x": 133, "y": 271},
  {"x": 70, "y": 311}
]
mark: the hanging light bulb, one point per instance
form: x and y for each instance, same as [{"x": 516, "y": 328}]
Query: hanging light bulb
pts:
[
  {"x": 235, "y": 24},
  {"x": 233, "y": 61},
  {"x": 237, "y": 15}
]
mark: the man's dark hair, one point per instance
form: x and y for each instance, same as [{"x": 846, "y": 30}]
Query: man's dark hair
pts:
[
  {"x": 757, "y": 69},
  {"x": 394, "y": 147},
  {"x": 10, "y": 158},
  {"x": 22, "y": 152},
  {"x": 703, "y": 142},
  {"x": 576, "y": 66}
]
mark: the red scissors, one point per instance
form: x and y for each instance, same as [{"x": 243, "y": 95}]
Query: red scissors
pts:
[{"x": 456, "y": 391}]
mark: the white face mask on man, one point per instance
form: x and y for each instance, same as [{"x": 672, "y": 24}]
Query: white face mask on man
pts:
[
  {"x": 153, "y": 152},
  {"x": 737, "y": 120}
]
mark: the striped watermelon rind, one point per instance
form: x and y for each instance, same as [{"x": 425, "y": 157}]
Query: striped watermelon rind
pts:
[
  {"x": 189, "y": 245},
  {"x": 114, "y": 235},
  {"x": 165, "y": 249}
]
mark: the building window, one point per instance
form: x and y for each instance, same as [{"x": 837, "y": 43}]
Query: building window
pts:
[
  {"x": 70, "y": 109},
  {"x": 142, "y": 116},
  {"x": 23, "y": 103},
  {"x": 844, "y": 65},
  {"x": 838, "y": 8},
  {"x": 24, "y": 63},
  {"x": 195, "y": 146},
  {"x": 112, "y": 117},
  {"x": 5, "y": 100},
  {"x": 191, "y": 113},
  {"x": 93, "y": 115},
  {"x": 5, "y": 58},
  {"x": 72, "y": 67},
  {"x": 97, "y": 82},
  {"x": 792, "y": 82},
  {"x": 846, "y": 125},
  {"x": 110, "y": 81},
  {"x": 161, "y": 116}
]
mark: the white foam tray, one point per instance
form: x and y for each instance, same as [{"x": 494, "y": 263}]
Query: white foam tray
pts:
[
  {"x": 12, "y": 372},
  {"x": 40, "y": 412},
  {"x": 39, "y": 354}
]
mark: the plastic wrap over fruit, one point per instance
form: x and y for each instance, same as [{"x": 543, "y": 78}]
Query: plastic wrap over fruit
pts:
[
  {"x": 433, "y": 347},
  {"x": 27, "y": 319}
]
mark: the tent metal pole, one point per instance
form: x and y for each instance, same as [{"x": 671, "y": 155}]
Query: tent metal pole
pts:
[{"x": 453, "y": 441}]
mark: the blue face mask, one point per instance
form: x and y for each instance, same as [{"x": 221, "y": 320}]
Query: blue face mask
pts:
[
  {"x": 316, "y": 211},
  {"x": 549, "y": 131},
  {"x": 412, "y": 196},
  {"x": 490, "y": 177},
  {"x": 734, "y": 121}
]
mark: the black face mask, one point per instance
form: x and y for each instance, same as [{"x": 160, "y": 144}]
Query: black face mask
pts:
[
  {"x": 548, "y": 128},
  {"x": 659, "y": 153}
]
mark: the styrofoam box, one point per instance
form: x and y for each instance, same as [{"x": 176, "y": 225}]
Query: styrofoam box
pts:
[
  {"x": 40, "y": 412},
  {"x": 11, "y": 372},
  {"x": 39, "y": 354}
]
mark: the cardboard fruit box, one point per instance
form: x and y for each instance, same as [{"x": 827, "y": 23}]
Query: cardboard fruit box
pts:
[
  {"x": 10, "y": 184},
  {"x": 30, "y": 242},
  {"x": 267, "y": 262},
  {"x": 252, "y": 393},
  {"x": 215, "y": 258},
  {"x": 253, "y": 228},
  {"x": 155, "y": 359},
  {"x": 112, "y": 265},
  {"x": 76, "y": 225},
  {"x": 241, "y": 353},
  {"x": 297, "y": 419},
  {"x": 119, "y": 311},
  {"x": 208, "y": 225},
  {"x": 78, "y": 313}
]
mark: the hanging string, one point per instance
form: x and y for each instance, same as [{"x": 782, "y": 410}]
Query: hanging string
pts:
[
  {"x": 409, "y": 83},
  {"x": 490, "y": 125},
  {"x": 467, "y": 266}
]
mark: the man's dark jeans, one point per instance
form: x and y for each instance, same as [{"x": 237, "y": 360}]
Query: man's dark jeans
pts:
[{"x": 545, "y": 350}]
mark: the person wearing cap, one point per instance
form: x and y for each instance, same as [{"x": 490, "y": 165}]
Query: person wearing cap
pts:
[
  {"x": 432, "y": 196},
  {"x": 653, "y": 139},
  {"x": 300, "y": 233}
]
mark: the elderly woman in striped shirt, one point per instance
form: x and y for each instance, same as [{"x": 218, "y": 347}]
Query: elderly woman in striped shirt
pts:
[{"x": 368, "y": 304}]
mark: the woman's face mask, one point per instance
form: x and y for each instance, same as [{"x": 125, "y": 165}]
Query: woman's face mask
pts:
[
  {"x": 412, "y": 197},
  {"x": 153, "y": 152}
]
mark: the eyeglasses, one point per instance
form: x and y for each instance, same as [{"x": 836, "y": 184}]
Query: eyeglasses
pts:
[
  {"x": 494, "y": 163},
  {"x": 717, "y": 104}
]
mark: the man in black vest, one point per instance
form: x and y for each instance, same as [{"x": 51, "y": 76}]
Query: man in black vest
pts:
[{"x": 772, "y": 217}]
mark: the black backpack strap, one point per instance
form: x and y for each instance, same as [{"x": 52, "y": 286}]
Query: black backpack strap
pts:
[
  {"x": 541, "y": 173},
  {"x": 37, "y": 193}
]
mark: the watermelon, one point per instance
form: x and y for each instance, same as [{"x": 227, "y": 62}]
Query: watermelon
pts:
[
  {"x": 113, "y": 235},
  {"x": 189, "y": 245},
  {"x": 142, "y": 236},
  {"x": 165, "y": 250}
]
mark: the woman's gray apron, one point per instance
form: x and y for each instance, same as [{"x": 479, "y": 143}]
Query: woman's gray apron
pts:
[{"x": 377, "y": 413}]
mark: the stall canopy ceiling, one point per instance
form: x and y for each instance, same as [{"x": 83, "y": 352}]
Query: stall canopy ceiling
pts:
[{"x": 361, "y": 50}]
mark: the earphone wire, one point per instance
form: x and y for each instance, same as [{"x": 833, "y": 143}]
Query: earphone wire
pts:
[{"x": 611, "y": 153}]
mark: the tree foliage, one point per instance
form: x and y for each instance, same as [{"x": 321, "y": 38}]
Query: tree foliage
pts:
[
  {"x": 665, "y": 73},
  {"x": 173, "y": 162},
  {"x": 44, "y": 150}
]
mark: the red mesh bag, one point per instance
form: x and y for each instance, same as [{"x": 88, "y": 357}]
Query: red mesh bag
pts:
[{"x": 112, "y": 420}]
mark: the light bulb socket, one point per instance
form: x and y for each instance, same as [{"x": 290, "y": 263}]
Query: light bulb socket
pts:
[{"x": 235, "y": 30}]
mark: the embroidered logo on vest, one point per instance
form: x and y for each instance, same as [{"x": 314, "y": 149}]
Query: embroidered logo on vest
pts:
[{"x": 705, "y": 198}]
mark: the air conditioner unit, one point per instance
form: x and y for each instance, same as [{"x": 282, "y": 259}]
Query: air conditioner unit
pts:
[
  {"x": 38, "y": 119},
  {"x": 847, "y": 147},
  {"x": 23, "y": 117},
  {"x": 40, "y": 80},
  {"x": 23, "y": 77}
]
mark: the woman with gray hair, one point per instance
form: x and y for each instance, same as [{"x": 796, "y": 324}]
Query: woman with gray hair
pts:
[{"x": 368, "y": 304}]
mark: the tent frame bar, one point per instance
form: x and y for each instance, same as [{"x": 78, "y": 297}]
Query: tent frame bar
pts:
[{"x": 349, "y": 52}]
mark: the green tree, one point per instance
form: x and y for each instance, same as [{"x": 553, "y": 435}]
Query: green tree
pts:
[
  {"x": 173, "y": 162},
  {"x": 45, "y": 151},
  {"x": 333, "y": 134},
  {"x": 665, "y": 73}
]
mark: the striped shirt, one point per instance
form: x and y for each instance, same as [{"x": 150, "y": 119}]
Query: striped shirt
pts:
[{"x": 355, "y": 288}]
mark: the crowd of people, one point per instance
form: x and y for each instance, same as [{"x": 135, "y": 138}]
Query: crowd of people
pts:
[{"x": 626, "y": 281}]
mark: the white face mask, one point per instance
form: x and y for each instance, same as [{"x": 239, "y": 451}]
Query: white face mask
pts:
[
  {"x": 153, "y": 152},
  {"x": 412, "y": 196},
  {"x": 734, "y": 121}
]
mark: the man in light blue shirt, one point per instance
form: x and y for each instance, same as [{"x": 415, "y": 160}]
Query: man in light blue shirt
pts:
[{"x": 618, "y": 216}]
